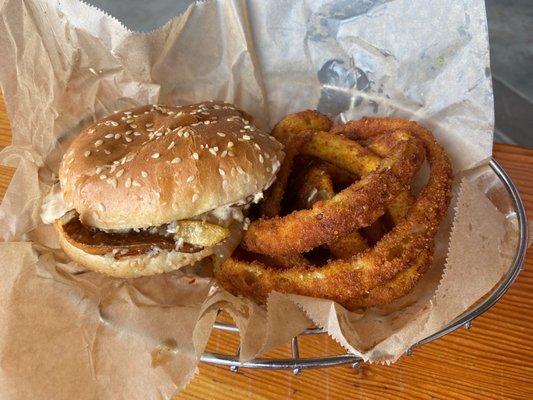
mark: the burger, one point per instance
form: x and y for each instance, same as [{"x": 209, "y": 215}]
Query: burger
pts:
[{"x": 156, "y": 188}]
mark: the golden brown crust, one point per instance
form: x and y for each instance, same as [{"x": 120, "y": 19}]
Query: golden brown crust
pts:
[
  {"x": 379, "y": 274},
  {"x": 271, "y": 206},
  {"x": 308, "y": 120},
  {"x": 317, "y": 185},
  {"x": 356, "y": 206},
  {"x": 154, "y": 164}
]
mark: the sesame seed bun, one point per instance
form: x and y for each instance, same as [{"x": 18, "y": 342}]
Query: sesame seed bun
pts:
[{"x": 154, "y": 164}]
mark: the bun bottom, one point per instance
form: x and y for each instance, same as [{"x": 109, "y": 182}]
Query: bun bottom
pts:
[{"x": 131, "y": 266}]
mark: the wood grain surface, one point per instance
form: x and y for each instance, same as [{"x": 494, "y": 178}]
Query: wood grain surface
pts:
[{"x": 493, "y": 360}]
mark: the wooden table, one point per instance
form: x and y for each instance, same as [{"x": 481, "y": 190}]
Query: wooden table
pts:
[{"x": 492, "y": 360}]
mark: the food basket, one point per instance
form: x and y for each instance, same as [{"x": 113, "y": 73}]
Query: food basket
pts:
[{"x": 509, "y": 205}]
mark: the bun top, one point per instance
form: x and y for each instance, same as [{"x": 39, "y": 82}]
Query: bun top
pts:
[{"x": 154, "y": 164}]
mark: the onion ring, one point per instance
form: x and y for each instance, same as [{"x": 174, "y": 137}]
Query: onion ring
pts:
[
  {"x": 357, "y": 206},
  {"x": 317, "y": 185},
  {"x": 389, "y": 269},
  {"x": 271, "y": 206}
]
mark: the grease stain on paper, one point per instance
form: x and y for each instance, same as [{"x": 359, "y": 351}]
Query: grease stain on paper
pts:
[{"x": 164, "y": 352}]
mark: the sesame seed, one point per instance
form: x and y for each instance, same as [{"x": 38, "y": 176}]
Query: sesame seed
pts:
[
  {"x": 119, "y": 173},
  {"x": 112, "y": 182},
  {"x": 109, "y": 136},
  {"x": 230, "y": 145},
  {"x": 103, "y": 177},
  {"x": 195, "y": 197},
  {"x": 136, "y": 184},
  {"x": 171, "y": 145},
  {"x": 136, "y": 134},
  {"x": 240, "y": 170},
  {"x": 212, "y": 151},
  {"x": 128, "y": 132},
  {"x": 87, "y": 153},
  {"x": 101, "y": 207},
  {"x": 116, "y": 162},
  {"x": 221, "y": 172},
  {"x": 149, "y": 125},
  {"x": 129, "y": 140},
  {"x": 114, "y": 123},
  {"x": 98, "y": 143},
  {"x": 221, "y": 134},
  {"x": 158, "y": 134},
  {"x": 257, "y": 146},
  {"x": 117, "y": 136},
  {"x": 186, "y": 134},
  {"x": 231, "y": 153},
  {"x": 261, "y": 159},
  {"x": 195, "y": 156},
  {"x": 224, "y": 154},
  {"x": 130, "y": 120},
  {"x": 128, "y": 183},
  {"x": 130, "y": 157},
  {"x": 107, "y": 152},
  {"x": 175, "y": 160},
  {"x": 112, "y": 169},
  {"x": 246, "y": 137},
  {"x": 98, "y": 170},
  {"x": 144, "y": 174},
  {"x": 133, "y": 126},
  {"x": 155, "y": 155},
  {"x": 127, "y": 112},
  {"x": 190, "y": 179}
]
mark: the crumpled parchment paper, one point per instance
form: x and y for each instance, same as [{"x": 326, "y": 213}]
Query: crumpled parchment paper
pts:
[{"x": 70, "y": 333}]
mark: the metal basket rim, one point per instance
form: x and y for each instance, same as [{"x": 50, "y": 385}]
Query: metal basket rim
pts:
[{"x": 296, "y": 363}]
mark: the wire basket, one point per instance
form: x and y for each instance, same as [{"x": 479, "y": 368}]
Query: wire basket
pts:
[{"x": 296, "y": 363}]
